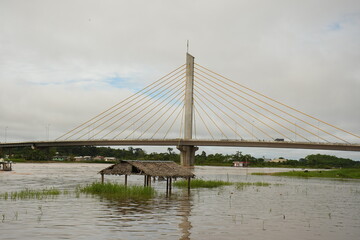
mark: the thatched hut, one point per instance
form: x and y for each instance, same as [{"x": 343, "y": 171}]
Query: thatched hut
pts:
[{"x": 163, "y": 169}]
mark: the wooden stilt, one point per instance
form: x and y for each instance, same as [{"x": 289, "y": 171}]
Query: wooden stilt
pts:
[
  {"x": 189, "y": 185},
  {"x": 167, "y": 186},
  {"x": 102, "y": 178},
  {"x": 170, "y": 183},
  {"x": 145, "y": 180},
  {"x": 125, "y": 180},
  {"x": 149, "y": 181}
]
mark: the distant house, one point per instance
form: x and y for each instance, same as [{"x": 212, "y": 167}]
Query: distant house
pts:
[
  {"x": 79, "y": 159},
  {"x": 278, "y": 160},
  {"x": 240, "y": 164},
  {"x": 98, "y": 158},
  {"x": 82, "y": 158},
  {"x": 109, "y": 159},
  {"x": 60, "y": 158}
]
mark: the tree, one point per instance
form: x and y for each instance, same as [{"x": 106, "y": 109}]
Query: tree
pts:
[{"x": 170, "y": 150}]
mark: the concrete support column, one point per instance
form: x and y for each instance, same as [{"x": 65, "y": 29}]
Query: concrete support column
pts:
[
  {"x": 187, "y": 155},
  {"x": 189, "y": 101}
]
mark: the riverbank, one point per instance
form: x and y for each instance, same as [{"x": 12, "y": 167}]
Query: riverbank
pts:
[{"x": 336, "y": 173}]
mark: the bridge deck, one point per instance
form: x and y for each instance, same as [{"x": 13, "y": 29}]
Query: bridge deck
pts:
[{"x": 193, "y": 142}]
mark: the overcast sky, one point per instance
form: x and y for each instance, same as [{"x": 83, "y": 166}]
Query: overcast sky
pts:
[{"x": 62, "y": 62}]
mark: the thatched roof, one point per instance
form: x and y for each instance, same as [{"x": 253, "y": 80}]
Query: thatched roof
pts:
[{"x": 152, "y": 168}]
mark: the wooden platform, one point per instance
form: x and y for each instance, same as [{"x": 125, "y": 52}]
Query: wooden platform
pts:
[
  {"x": 6, "y": 166},
  {"x": 161, "y": 169}
]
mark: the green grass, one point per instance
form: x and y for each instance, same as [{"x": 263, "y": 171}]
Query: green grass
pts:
[
  {"x": 114, "y": 190},
  {"x": 338, "y": 173},
  {"x": 17, "y": 160},
  {"x": 31, "y": 194},
  {"x": 199, "y": 183}
]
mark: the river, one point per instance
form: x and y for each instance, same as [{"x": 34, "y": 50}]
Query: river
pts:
[{"x": 290, "y": 208}]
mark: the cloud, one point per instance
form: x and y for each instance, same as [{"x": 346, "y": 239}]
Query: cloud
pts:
[{"x": 63, "y": 62}]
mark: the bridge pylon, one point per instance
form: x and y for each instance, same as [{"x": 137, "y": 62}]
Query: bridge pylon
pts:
[{"x": 187, "y": 153}]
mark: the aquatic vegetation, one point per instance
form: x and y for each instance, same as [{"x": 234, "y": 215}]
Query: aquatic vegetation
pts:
[
  {"x": 119, "y": 191},
  {"x": 31, "y": 194},
  {"x": 337, "y": 173},
  {"x": 200, "y": 183},
  {"x": 241, "y": 185}
]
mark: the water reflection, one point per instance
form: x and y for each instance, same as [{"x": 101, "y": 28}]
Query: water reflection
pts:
[
  {"x": 185, "y": 210},
  {"x": 140, "y": 215}
]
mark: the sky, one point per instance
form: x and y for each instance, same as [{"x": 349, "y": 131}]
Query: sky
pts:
[{"x": 62, "y": 62}]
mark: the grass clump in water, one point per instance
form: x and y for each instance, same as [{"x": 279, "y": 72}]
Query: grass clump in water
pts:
[
  {"x": 338, "y": 173},
  {"x": 199, "y": 183},
  {"x": 114, "y": 190},
  {"x": 31, "y": 194}
]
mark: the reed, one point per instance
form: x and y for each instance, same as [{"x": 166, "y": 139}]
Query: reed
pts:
[
  {"x": 119, "y": 191},
  {"x": 31, "y": 194},
  {"x": 199, "y": 183}
]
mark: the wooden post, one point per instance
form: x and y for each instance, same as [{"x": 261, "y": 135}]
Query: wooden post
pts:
[
  {"x": 167, "y": 186},
  {"x": 145, "y": 181},
  {"x": 148, "y": 181},
  {"x": 170, "y": 183},
  {"x": 125, "y": 180},
  {"x": 102, "y": 178}
]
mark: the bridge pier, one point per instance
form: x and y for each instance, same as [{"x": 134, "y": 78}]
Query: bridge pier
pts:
[
  {"x": 187, "y": 152},
  {"x": 187, "y": 155}
]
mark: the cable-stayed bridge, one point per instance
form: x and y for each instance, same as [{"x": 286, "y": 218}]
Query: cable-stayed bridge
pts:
[{"x": 194, "y": 106}]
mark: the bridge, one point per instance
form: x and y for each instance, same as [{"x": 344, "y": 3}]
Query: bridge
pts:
[{"x": 194, "y": 106}]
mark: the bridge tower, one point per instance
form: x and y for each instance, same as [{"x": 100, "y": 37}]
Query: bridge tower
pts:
[{"x": 187, "y": 152}]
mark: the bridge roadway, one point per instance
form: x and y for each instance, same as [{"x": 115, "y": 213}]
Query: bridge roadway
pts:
[{"x": 193, "y": 142}]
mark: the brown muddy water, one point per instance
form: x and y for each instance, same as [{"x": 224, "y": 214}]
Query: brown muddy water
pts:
[{"x": 290, "y": 208}]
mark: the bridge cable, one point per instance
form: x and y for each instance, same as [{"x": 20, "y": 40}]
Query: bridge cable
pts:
[
  {"x": 203, "y": 122},
  {"x": 138, "y": 92},
  {"x": 143, "y": 98},
  {"x": 201, "y": 95},
  {"x": 143, "y": 105},
  {"x": 257, "y": 112},
  {"x": 166, "y": 120},
  {"x": 170, "y": 115},
  {"x": 279, "y": 110},
  {"x": 177, "y": 116},
  {"x": 212, "y": 96},
  {"x": 195, "y": 100},
  {"x": 124, "y": 104},
  {"x": 222, "y": 112},
  {"x": 157, "y": 105},
  {"x": 287, "y": 106},
  {"x": 265, "y": 110},
  {"x": 129, "y": 106}
]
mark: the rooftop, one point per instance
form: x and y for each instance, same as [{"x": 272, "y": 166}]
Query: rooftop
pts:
[{"x": 151, "y": 168}]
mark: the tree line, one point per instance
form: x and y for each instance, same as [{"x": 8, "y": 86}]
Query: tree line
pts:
[{"x": 217, "y": 159}]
